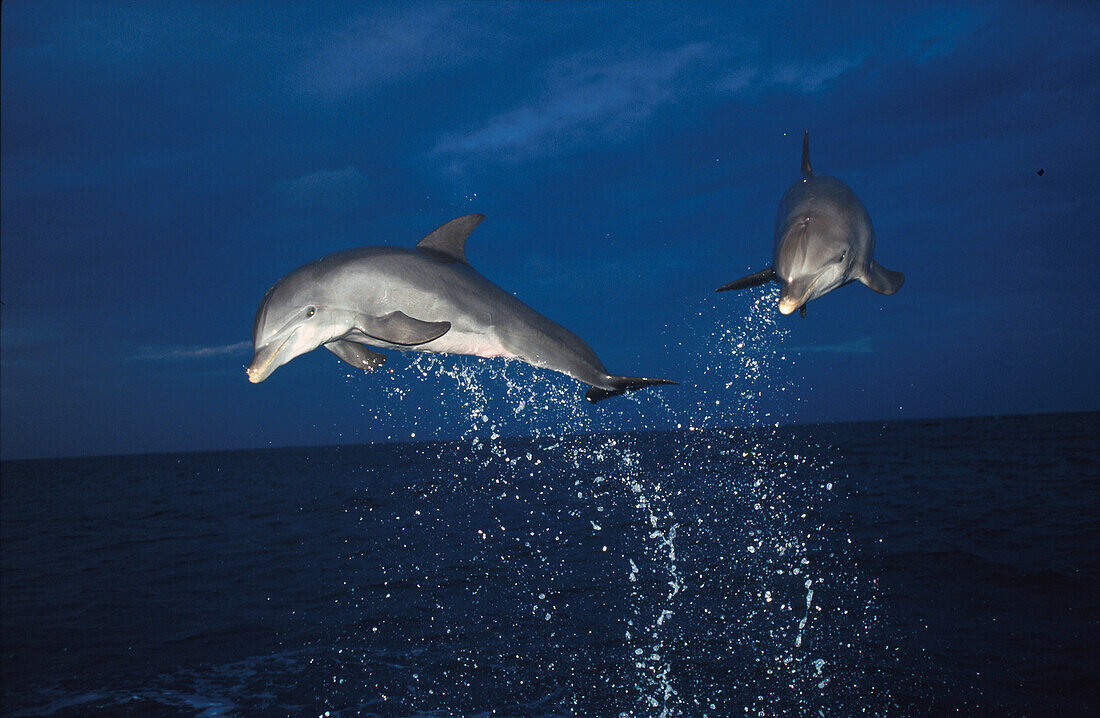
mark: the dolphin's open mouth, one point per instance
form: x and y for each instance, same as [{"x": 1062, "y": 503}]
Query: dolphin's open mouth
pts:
[{"x": 257, "y": 373}]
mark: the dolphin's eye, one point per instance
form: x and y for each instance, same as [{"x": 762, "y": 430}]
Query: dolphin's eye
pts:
[
  {"x": 310, "y": 312},
  {"x": 842, "y": 256}
]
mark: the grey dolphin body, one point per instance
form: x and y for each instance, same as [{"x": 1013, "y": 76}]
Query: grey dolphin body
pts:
[
  {"x": 823, "y": 240},
  {"x": 427, "y": 299}
]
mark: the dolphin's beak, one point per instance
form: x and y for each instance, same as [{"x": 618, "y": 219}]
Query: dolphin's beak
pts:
[
  {"x": 263, "y": 361},
  {"x": 794, "y": 295}
]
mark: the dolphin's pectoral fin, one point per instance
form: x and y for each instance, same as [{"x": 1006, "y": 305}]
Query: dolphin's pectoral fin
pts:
[
  {"x": 762, "y": 277},
  {"x": 399, "y": 328},
  {"x": 448, "y": 243},
  {"x": 882, "y": 280},
  {"x": 356, "y": 354},
  {"x": 621, "y": 385}
]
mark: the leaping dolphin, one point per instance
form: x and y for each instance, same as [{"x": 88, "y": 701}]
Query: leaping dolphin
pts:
[
  {"x": 427, "y": 299},
  {"x": 823, "y": 240}
]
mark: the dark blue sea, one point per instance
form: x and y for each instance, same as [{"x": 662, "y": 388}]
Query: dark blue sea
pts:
[{"x": 909, "y": 569}]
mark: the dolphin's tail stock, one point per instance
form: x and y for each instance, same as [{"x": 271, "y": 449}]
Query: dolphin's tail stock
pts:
[{"x": 621, "y": 385}]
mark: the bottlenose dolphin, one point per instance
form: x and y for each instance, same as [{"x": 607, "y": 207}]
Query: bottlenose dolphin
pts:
[
  {"x": 427, "y": 299},
  {"x": 823, "y": 240}
]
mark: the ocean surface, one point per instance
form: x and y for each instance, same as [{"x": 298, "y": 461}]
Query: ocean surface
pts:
[{"x": 911, "y": 568}]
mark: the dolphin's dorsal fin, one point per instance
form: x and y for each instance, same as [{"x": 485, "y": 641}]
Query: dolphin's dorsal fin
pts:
[
  {"x": 807, "y": 170},
  {"x": 448, "y": 243}
]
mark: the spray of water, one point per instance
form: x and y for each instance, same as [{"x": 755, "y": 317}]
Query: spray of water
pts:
[
  {"x": 773, "y": 607},
  {"x": 731, "y": 624},
  {"x": 603, "y": 469}
]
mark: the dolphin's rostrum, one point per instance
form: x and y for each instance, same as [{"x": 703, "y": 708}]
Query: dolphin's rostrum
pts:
[
  {"x": 427, "y": 299},
  {"x": 823, "y": 240}
]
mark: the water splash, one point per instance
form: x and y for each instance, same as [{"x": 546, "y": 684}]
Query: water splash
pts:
[
  {"x": 741, "y": 598},
  {"x": 758, "y": 542},
  {"x": 655, "y": 691},
  {"x": 569, "y": 477}
]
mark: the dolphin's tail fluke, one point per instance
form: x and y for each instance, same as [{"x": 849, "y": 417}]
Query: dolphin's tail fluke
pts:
[
  {"x": 621, "y": 385},
  {"x": 762, "y": 277}
]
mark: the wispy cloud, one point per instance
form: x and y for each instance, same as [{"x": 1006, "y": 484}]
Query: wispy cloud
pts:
[
  {"x": 586, "y": 97},
  {"x": 384, "y": 47},
  {"x": 40, "y": 349},
  {"x": 856, "y": 346},
  {"x": 194, "y": 352},
  {"x": 592, "y": 98},
  {"x": 805, "y": 76},
  {"x": 810, "y": 76},
  {"x": 327, "y": 187}
]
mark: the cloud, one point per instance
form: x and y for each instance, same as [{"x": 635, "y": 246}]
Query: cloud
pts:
[
  {"x": 809, "y": 77},
  {"x": 856, "y": 346},
  {"x": 590, "y": 98},
  {"x": 382, "y": 48},
  {"x": 586, "y": 97},
  {"x": 193, "y": 352},
  {"x": 330, "y": 188},
  {"x": 40, "y": 348},
  {"x": 805, "y": 76}
]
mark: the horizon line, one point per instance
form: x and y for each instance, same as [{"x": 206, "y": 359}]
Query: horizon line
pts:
[{"x": 513, "y": 437}]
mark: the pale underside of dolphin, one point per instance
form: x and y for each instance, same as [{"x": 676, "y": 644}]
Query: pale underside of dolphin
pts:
[
  {"x": 427, "y": 299},
  {"x": 823, "y": 240}
]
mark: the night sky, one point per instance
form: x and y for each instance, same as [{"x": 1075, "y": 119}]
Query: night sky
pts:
[{"x": 164, "y": 164}]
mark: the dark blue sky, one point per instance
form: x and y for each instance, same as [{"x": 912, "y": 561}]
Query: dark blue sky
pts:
[{"x": 164, "y": 164}]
